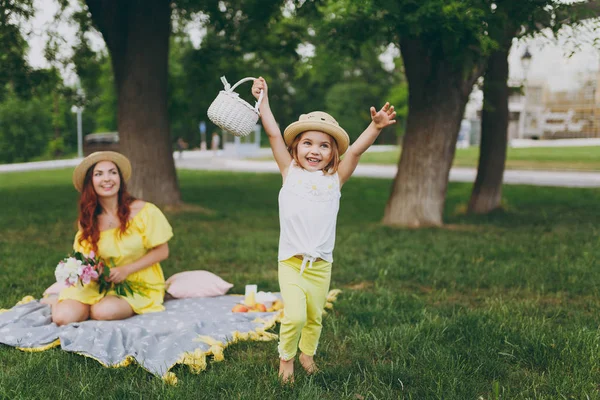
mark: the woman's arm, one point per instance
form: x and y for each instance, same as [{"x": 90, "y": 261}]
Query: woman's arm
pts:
[
  {"x": 380, "y": 119},
  {"x": 156, "y": 255},
  {"x": 280, "y": 151}
]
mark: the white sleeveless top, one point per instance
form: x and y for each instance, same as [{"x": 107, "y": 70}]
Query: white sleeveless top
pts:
[{"x": 308, "y": 207}]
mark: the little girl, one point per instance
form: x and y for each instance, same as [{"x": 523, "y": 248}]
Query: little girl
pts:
[{"x": 308, "y": 156}]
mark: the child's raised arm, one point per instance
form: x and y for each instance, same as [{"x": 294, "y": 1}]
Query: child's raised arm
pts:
[
  {"x": 280, "y": 151},
  {"x": 380, "y": 119}
]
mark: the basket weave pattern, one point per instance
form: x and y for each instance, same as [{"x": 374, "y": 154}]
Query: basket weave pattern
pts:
[{"x": 228, "y": 111}]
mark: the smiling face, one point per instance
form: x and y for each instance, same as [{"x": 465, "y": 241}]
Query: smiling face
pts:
[
  {"x": 106, "y": 179},
  {"x": 314, "y": 150}
]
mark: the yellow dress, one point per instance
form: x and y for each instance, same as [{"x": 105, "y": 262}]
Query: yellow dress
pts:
[{"x": 147, "y": 229}]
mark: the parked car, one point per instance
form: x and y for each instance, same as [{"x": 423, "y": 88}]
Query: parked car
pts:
[{"x": 101, "y": 142}]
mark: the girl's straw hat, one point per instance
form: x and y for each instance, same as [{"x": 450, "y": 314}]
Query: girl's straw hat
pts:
[
  {"x": 317, "y": 121},
  {"x": 119, "y": 159}
]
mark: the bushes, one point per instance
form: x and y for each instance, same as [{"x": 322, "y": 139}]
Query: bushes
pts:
[
  {"x": 25, "y": 129},
  {"x": 38, "y": 125}
]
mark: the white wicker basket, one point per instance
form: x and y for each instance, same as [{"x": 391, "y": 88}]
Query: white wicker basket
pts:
[{"x": 233, "y": 114}]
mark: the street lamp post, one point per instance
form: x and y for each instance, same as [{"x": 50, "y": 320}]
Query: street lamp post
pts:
[
  {"x": 78, "y": 109},
  {"x": 79, "y": 133},
  {"x": 525, "y": 64}
]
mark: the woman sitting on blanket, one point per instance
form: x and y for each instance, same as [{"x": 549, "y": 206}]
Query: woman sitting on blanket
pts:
[{"x": 116, "y": 226}]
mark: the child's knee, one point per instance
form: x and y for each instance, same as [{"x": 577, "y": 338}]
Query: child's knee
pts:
[
  {"x": 297, "y": 321},
  {"x": 314, "y": 323}
]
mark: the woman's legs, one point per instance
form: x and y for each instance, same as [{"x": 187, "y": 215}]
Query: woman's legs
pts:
[
  {"x": 68, "y": 311},
  {"x": 111, "y": 308}
]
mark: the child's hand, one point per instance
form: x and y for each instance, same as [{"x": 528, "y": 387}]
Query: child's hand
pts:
[
  {"x": 258, "y": 85},
  {"x": 384, "y": 117}
]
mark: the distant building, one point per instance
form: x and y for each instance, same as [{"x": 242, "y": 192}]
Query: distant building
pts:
[
  {"x": 536, "y": 112},
  {"x": 543, "y": 114}
]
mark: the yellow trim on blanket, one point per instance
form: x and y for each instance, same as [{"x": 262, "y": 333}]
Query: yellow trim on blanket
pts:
[
  {"x": 195, "y": 360},
  {"x": 170, "y": 378},
  {"x": 128, "y": 360},
  {"x": 41, "y": 348}
]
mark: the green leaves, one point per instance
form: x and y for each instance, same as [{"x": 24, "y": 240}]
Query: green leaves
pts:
[
  {"x": 130, "y": 288},
  {"x": 14, "y": 70},
  {"x": 126, "y": 288},
  {"x": 103, "y": 284},
  {"x": 26, "y": 128}
]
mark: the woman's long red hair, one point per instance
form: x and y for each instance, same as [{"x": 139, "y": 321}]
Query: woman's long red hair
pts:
[{"x": 90, "y": 208}]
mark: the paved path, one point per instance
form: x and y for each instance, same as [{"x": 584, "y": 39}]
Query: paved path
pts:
[
  {"x": 39, "y": 165},
  {"x": 526, "y": 177},
  {"x": 206, "y": 161},
  {"x": 555, "y": 143}
]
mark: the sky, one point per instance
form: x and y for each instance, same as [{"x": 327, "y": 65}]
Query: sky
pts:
[
  {"x": 551, "y": 62},
  {"x": 42, "y": 21}
]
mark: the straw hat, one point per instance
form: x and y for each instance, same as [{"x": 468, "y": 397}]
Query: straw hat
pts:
[
  {"x": 119, "y": 159},
  {"x": 317, "y": 121}
]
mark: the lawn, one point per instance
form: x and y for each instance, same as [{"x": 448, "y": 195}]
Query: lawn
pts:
[
  {"x": 541, "y": 158},
  {"x": 505, "y": 305}
]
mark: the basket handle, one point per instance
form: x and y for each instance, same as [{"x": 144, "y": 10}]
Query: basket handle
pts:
[{"x": 229, "y": 88}]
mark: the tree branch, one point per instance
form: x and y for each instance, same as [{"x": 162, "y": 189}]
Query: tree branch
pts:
[{"x": 578, "y": 12}]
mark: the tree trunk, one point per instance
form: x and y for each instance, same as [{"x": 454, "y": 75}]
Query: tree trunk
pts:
[
  {"x": 137, "y": 36},
  {"x": 487, "y": 191},
  {"x": 437, "y": 98}
]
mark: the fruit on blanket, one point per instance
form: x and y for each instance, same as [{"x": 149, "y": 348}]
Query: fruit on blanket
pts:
[
  {"x": 277, "y": 305},
  {"x": 260, "y": 307}
]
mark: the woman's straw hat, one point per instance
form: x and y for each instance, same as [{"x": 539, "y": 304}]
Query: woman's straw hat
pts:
[
  {"x": 119, "y": 159},
  {"x": 317, "y": 121}
]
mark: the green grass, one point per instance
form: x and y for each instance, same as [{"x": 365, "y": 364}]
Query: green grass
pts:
[
  {"x": 502, "y": 305},
  {"x": 541, "y": 158}
]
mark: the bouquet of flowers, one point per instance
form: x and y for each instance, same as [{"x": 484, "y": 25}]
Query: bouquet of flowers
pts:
[{"x": 81, "y": 269}]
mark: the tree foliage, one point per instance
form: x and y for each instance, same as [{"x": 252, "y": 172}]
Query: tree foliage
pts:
[
  {"x": 236, "y": 45},
  {"x": 243, "y": 38},
  {"x": 508, "y": 20},
  {"x": 15, "y": 73}
]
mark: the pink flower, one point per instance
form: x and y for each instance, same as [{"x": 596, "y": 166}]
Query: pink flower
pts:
[
  {"x": 92, "y": 254},
  {"x": 71, "y": 281},
  {"x": 88, "y": 274}
]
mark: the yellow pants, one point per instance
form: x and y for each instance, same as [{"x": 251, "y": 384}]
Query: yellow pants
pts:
[{"x": 304, "y": 298}]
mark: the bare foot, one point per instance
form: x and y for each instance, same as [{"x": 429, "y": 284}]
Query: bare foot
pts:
[
  {"x": 308, "y": 363},
  {"x": 286, "y": 371}
]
